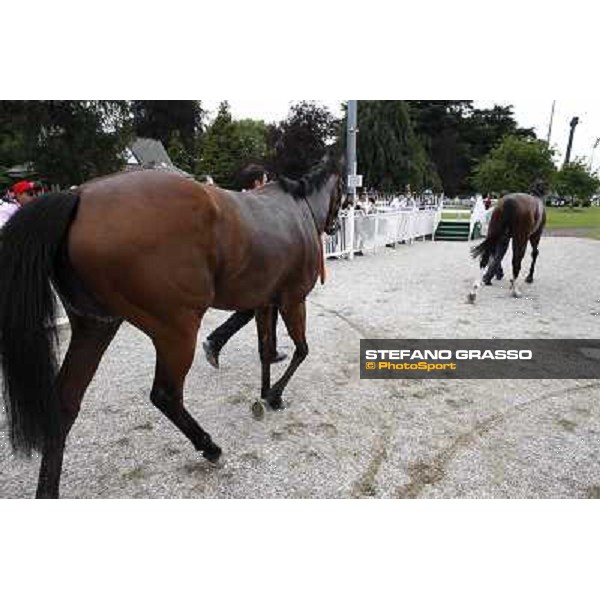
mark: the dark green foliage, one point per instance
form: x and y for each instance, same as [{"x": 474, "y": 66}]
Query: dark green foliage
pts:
[
  {"x": 514, "y": 166},
  {"x": 576, "y": 182},
  {"x": 253, "y": 140},
  {"x": 162, "y": 119},
  {"x": 222, "y": 149},
  {"x": 68, "y": 141},
  {"x": 178, "y": 154},
  {"x": 301, "y": 141},
  {"x": 390, "y": 155},
  {"x": 458, "y": 137}
]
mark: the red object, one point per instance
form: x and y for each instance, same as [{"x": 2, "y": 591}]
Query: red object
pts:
[{"x": 23, "y": 186}]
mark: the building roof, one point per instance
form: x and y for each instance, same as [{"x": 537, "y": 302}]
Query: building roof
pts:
[{"x": 151, "y": 154}]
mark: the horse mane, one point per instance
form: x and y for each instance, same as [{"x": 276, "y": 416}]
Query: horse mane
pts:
[{"x": 309, "y": 183}]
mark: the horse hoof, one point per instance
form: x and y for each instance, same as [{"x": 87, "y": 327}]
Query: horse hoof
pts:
[
  {"x": 529, "y": 280},
  {"x": 499, "y": 276},
  {"x": 275, "y": 403},
  {"x": 488, "y": 282},
  {"x": 258, "y": 410},
  {"x": 472, "y": 297},
  {"x": 212, "y": 453},
  {"x": 516, "y": 294},
  {"x": 212, "y": 355}
]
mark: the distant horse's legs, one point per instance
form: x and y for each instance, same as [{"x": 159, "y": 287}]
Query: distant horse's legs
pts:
[
  {"x": 294, "y": 317},
  {"x": 175, "y": 349},
  {"x": 266, "y": 345},
  {"x": 519, "y": 246},
  {"x": 535, "y": 241},
  {"x": 495, "y": 267},
  {"x": 89, "y": 340},
  {"x": 499, "y": 271}
]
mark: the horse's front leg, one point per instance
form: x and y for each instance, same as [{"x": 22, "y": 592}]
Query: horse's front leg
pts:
[
  {"x": 294, "y": 317},
  {"x": 535, "y": 241}
]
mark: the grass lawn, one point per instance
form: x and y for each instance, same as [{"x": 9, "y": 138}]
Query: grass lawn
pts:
[
  {"x": 586, "y": 219},
  {"x": 451, "y": 215}
]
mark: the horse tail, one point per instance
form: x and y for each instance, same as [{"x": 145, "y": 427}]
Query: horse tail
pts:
[
  {"x": 500, "y": 224},
  {"x": 29, "y": 243}
]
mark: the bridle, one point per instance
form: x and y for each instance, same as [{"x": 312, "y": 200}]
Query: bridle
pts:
[{"x": 332, "y": 207}]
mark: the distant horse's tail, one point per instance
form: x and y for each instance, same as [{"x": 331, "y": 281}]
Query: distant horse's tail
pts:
[
  {"x": 28, "y": 245},
  {"x": 500, "y": 224}
]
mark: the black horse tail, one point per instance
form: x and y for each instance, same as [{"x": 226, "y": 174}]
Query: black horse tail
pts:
[
  {"x": 500, "y": 225},
  {"x": 29, "y": 243}
]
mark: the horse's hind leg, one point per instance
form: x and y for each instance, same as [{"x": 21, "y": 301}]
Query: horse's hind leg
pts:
[
  {"x": 535, "y": 241},
  {"x": 175, "y": 349},
  {"x": 495, "y": 267},
  {"x": 89, "y": 340},
  {"x": 266, "y": 345},
  {"x": 294, "y": 317},
  {"x": 519, "y": 246}
]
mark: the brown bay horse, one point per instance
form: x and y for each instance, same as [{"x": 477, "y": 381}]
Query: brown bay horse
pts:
[
  {"x": 156, "y": 250},
  {"x": 520, "y": 217}
]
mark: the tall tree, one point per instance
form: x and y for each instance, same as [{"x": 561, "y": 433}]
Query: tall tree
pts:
[
  {"x": 300, "y": 141},
  {"x": 390, "y": 155},
  {"x": 514, "y": 166},
  {"x": 178, "y": 153},
  {"x": 160, "y": 119},
  {"x": 458, "y": 136},
  {"x": 576, "y": 181},
  {"x": 486, "y": 128},
  {"x": 253, "y": 140},
  {"x": 438, "y": 125},
  {"x": 221, "y": 149},
  {"x": 68, "y": 141}
]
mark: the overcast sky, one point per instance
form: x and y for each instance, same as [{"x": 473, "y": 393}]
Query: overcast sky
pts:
[{"x": 529, "y": 112}]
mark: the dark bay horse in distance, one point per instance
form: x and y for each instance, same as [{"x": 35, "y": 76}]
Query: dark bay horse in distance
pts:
[
  {"x": 518, "y": 216},
  {"x": 157, "y": 250}
]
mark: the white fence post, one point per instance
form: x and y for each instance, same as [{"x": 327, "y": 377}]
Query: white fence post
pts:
[
  {"x": 382, "y": 228},
  {"x": 351, "y": 229}
]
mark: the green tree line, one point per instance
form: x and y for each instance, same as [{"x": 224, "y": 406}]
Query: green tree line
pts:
[{"x": 444, "y": 145}]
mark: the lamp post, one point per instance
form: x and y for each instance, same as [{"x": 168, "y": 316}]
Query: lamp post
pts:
[
  {"x": 550, "y": 124},
  {"x": 351, "y": 167},
  {"x": 572, "y": 124}
]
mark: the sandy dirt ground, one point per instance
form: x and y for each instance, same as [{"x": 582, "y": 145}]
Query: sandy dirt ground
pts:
[{"x": 343, "y": 437}]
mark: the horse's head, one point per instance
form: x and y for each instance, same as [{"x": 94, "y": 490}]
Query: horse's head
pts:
[
  {"x": 323, "y": 191},
  {"x": 338, "y": 194}
]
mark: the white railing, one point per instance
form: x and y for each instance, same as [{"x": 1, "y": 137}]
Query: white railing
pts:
[
  {"x": 478, "y": 216},
  {"x": 359, "y": 231}
]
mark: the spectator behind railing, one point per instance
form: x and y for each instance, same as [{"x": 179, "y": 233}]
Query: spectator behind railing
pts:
[{"x": 20, "y": 194}]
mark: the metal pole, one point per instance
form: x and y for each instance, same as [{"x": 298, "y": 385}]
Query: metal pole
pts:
[
  {"x": 351, "y": 144},
  {"x": 550, "y": 124}
]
